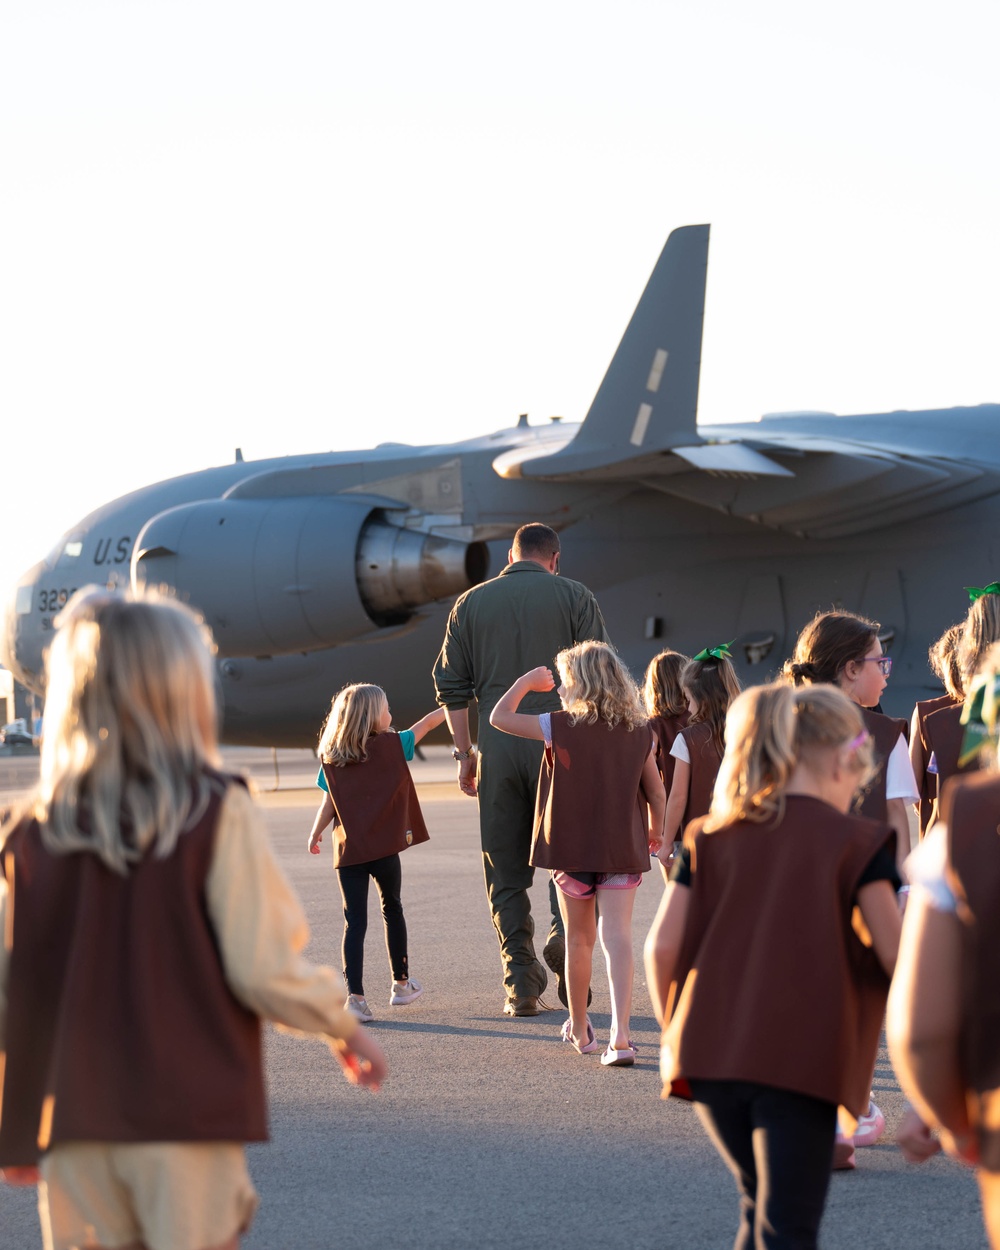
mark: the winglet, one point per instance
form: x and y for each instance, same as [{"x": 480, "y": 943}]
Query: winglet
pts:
[{"x": 648, "y": 401}]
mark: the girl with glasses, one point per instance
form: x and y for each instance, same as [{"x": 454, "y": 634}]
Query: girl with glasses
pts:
[{"x": 842, "y": 649}]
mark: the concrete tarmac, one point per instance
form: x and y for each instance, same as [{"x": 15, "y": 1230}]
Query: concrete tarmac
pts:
[{"x": 490, "y": 1133}]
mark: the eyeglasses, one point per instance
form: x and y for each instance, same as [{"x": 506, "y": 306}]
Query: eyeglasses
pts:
[{"x": 883, "y": 661}]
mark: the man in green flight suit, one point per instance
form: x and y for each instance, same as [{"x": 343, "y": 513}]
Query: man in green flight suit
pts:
[{"x": 497, "y": 631}]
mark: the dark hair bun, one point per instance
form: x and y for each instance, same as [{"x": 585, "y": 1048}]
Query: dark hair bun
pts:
[{"x": 800, "y": 672}]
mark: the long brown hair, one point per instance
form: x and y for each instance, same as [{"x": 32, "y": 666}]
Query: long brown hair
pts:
[
  {"x": 662, "y": 692},
  {"x": 980, "y": 631},
  {"x": 827, "y": 645},
  {"x": 944, "y": 662},
  {"x": 713, "y": 685}
]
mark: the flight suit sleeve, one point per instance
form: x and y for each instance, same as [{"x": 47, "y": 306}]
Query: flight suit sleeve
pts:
[
  {"x": 454, "y": 685},
  {"x": 588, "y": 625}
]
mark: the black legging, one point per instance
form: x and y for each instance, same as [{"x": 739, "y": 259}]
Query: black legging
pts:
[
  {"x": 354, "y": 888},
  {"x": 779, "y": 1147}
]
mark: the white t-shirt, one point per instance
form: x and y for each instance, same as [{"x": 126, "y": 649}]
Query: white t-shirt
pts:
[
  {"x": 899, "y": 779},
  {"x": 899, "y": 782}
]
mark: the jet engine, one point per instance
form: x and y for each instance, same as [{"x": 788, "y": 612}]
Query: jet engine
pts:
[{"x": 273, "y": 576}]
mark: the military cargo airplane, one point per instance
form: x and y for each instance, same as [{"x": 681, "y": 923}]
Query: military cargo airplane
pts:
[{"x": 317, "y": 570}]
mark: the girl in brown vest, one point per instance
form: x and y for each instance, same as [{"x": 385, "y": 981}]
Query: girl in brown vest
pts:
[
  {"x": 844, "y": 650},
  {"x": 599, "y": 811},
  {"x": 770, "y": 1000},
  {"x": 944, "y": 1008},
  {"x": 942, "y": 728},
  {"x": 943, "y": 660},
  {"x": 667, "y": 709},
  {"x": 710, "y": 685},
  {"x": 369, "y": 794},
  {"x": 153, "y": 932}
]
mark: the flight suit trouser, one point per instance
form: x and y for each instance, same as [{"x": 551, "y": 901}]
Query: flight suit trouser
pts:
[{"x": 507, "y": 780}]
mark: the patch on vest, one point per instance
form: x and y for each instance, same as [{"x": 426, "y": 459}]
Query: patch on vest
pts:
[{"x": 409, "y": 837}]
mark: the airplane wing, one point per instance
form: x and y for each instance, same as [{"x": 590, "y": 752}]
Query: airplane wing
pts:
[{"x": 642, "y": 427}]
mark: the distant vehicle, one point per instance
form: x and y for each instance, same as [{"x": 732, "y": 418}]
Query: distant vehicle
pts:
[
  {"x": 16, "y": 734},
  {"x": 317, "y": 570}
]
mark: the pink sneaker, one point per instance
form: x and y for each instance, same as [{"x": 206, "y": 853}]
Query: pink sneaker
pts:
[{"x": 870, "y": 1128}]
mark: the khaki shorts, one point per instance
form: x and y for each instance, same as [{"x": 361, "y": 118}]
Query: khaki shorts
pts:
[{"x": 163, "y": 1195}]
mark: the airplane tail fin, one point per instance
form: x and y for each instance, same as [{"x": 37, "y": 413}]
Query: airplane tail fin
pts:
[{"x": 648, "y": 400}]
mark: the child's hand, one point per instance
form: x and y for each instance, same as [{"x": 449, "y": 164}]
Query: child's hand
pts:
[
  {"x": 539, "y": 679},
  {"x": 315, "y": 838},
  {"x": 915, "y": 1139},
  {"x": 20, "y": 1176},
  {"x": 363, "y": 1060}
]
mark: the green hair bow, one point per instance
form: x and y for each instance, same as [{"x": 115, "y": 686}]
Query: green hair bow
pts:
[
  {"x": 975, "y": 593},
  {"x": 721, "y": 652},
  {"x": 981, "y": 718}
]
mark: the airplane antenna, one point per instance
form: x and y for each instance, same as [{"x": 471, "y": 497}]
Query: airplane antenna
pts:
[
  {"x": 239, "y": 455},
  {"x": 522, "y": 421}
]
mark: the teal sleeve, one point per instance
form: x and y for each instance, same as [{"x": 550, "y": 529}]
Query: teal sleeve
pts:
[
  {"x": 408, "y": 742},
  {"x": 321, "y": 780}
]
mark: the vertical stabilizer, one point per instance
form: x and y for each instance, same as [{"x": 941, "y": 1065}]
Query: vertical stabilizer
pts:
[{"x": 648, "y": 400}]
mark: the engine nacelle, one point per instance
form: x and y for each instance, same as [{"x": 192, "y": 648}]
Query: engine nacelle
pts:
[{"x": 273, "y": 576}]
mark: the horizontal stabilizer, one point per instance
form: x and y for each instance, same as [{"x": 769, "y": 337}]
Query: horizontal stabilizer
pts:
[{"x": 648, "y": 401}]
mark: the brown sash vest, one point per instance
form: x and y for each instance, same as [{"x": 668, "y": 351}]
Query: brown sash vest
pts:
[
  {"x": 927, "y": 783},
  {"x": 971, "y": 810},
  {"x": 120, "y": 1024},
  {"x": 885, "y": 732},
  {"x": 590, "y": 813},
  {"x": 705, "y": 762},
  {"x": 378, "y": 813},
  {"x": 773, "y": 983},
  {"x": 666, "y": 729},
  {"x": 944, "y": 733}
]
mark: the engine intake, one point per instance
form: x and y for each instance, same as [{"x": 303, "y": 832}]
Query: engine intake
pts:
[{"x": 273, "y": 576}]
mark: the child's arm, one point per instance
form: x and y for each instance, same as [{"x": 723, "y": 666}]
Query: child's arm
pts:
[
  {"x": 663, "y": 945},
  {"x": 676, "y": 803},
  {"x": 924, "y": 1020},
  {"x": 505, "y": 715},
  {"x": 261, "y": 930},
  {"x": 879, "y": 909},
  {"x": 656, "y": 800},
  {"x": 426, "y": 723},
  {"x": 324, "y": 816},
  {"x": 897, "y": 818}
]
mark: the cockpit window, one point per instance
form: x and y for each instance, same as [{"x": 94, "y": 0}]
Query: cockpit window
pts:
[
  {"x": 73, "y": 548},
  {"x": 22, "y": 603}
]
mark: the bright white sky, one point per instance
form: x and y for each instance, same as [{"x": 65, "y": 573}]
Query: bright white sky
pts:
[{"x": 307, "y": 225}]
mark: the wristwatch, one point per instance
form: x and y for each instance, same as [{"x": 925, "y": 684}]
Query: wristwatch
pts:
[{"x": 456, "y": 754}]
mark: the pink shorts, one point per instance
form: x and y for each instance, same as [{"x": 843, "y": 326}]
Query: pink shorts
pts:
[{"x": 586, "y": 884}]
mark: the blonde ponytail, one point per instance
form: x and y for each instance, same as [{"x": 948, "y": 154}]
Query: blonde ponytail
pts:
[
  {"x": 771, "y": 729},
  {"x": 759, "y": 758}
]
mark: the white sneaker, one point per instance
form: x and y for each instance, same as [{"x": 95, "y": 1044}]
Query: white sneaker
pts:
[
  {"x": 357, "y": 1006},
  {"x": 404, "y": 992},
  {"x": 870, "y": 1128}
]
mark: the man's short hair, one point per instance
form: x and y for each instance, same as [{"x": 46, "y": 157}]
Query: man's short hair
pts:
[{"x": 535, "y": 541}]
